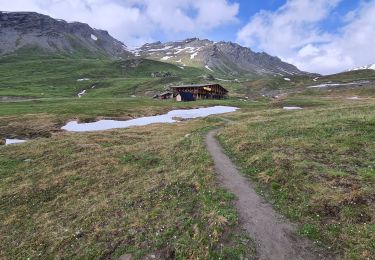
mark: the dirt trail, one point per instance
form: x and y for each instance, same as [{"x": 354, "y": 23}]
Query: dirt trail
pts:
[{"x": 275, "y": 237}]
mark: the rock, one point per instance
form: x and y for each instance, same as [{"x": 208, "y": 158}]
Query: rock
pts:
[
  {"x": 126, "y": 257},
  {"x": 208, "y": 77},
  {"x": 161, "y": 74},
  {"x": 2, "y": 141},
  {"x": 78, "y": 234}
]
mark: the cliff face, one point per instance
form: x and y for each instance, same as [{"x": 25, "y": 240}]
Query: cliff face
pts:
[{"x": 32, "y": 30}]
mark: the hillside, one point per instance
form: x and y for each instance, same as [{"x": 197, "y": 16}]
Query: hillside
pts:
[
  {"x": 30, "y": 76},
  {"x": 41, "y": 33}
]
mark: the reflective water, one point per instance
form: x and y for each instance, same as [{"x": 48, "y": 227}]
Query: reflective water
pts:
[{"x": 170, "y": 117}]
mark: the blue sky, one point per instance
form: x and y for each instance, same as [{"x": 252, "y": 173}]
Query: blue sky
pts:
[{"x": 324, "y": 36}]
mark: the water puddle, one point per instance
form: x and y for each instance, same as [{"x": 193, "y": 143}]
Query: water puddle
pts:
[{"x": 170, "y": 117}]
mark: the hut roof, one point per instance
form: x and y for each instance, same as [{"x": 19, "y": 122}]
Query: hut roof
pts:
[{"x": 199, "y": 86}]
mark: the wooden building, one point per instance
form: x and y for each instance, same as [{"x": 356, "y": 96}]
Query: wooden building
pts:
[{"x": 203, "y": 91}]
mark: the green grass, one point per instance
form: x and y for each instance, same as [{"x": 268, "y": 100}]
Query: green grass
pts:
[
  {"x": 350, "y": 76},
  {"x": 32, "y": 76},
  {"x": 41, "y": 117},
  {"x": 110, "y": 193},
  {"x": 152, "y": 190},
  {"x": 316, "y": 166}
]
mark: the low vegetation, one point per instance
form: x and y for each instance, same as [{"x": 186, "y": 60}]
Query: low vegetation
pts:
[
  {"x": 33, "y": 76},
  {"x": 151, "y": 191},
  {"x": 316, "y": 166},
  {"x": 144, "y": 191}
]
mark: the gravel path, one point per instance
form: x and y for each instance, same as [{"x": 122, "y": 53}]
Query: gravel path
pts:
[{"x": 275, "y": 237}]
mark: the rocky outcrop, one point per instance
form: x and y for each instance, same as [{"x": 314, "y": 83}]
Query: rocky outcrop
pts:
[{"x": 20, "y": 30}]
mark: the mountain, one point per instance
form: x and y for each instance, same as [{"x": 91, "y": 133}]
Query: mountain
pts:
[
  {"x": 23, "y": 30},
  {"x": 32, "y": 31},
  {"x": 220, "y": 57},
  {"x": 367, "y": 67}
]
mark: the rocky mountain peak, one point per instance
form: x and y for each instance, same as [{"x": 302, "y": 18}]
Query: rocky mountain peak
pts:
[
  {"x": 29, "y": 30},
  {"x": 222, "y": 57}
]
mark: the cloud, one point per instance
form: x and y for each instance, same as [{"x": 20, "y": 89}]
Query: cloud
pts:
[
  {"x": 295, "y": 32},
  {"x": 137, "y": 22}
]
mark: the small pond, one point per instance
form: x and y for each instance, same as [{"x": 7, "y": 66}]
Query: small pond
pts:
[{"x": 170, "y": 117}]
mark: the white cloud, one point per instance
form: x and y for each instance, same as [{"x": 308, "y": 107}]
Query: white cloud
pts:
[
  {"x": 294, "y": 32},
  {"x": 136, "y": 22}
]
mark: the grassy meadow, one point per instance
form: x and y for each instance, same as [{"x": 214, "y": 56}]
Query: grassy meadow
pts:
[
  {"x": 316, "y": 166},
  {"x": 152, "y": 191},
  {"x": 117, "y": 192}
]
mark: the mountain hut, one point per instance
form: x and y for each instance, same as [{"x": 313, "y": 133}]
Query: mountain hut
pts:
[{"x": 202, "y": 91}]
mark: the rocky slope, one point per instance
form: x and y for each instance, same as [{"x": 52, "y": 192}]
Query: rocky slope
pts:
[
  {"x": 367, "y": 67},
  {"x": 221, "y": 57},
  {"x": 21, "y": 30}
]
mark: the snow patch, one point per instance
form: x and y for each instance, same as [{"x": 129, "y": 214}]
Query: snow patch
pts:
[
  {"x": 208, "y": 68},
  {"x": 83, "y": 92},
  {"x": 227, "y": 80},
  {"x": 14, "y": 141},
  {"x": 161, "y": 49},
  {"x": 292, "y": 108},
  {"x": 354, "y": 98},
  {"x": 327, "y": 85},
  {"x": 94, "y": 37},
  {"x": 84, "y": 79},
  {"x": 287, "y": 79},
  {"x": 166, "y": 58},
  {"x": 193, "y": 55},
  {"x": 316, "y": 79},
  {"x": 367, "y": 67},
  {"x": 190, "y": 50}
]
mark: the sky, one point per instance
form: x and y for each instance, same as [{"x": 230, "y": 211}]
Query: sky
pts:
[{"x": 323, "y": 36}]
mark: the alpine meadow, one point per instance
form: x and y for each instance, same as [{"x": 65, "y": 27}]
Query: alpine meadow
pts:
[{"x": 183, "y": 149}]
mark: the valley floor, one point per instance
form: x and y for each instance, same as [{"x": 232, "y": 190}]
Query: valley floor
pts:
[{"x": 152, "y": 191}]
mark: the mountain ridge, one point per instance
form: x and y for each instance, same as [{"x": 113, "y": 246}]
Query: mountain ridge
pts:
[
  {"x": 366, "y": 67},
  {"x": 20, "y": 30},
  {"x": 222, "y": 57}
]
